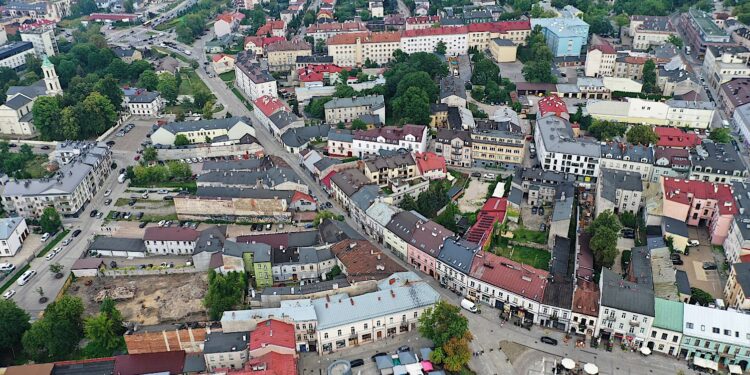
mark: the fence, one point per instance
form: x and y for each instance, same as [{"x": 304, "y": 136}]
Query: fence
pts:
[{"x": 138, "y": 272}]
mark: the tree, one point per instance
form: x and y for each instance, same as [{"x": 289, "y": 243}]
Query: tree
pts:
[
  {"x": 128, "y": 5},
  {"x": 408, "y": 203},
  {"x": 457, "y": 352},
  {"x": 50, "y": 220},
  {"x": 97, "y": 112},
  {"x": 676, "y": 41},
  {"x": 56, "y": 268},
  {"x": 421, "y": 80},
  {"x": 56, "y": 335},
  {"x": 441, "y": 48},
  {"x": 46, "y": 112},
  {"x": 181, "y": 140},
  {"x": 34, "y": 64},
  {"x": 208, "y": 110},
  {"x": 168, "y": 88},
  {"x": 700, "y": 297},
  {"x": 69, "y": 126},
  {"x": 148, "y": 80},
  {"x": 606, "y": 130},
  {"x": 224, "y": 292},
  {"x": 720, "y": 135},
  {"x": 484, "y": 71},
  {"x": 413, "y": 107},
  {"x": 110, "y": 88},
  {"x": 358, "y": 124},
  {"x": 442, "y": 323},
  {"x": 14, "y": 321},
  {"x": 604, "y": 232},
  {"x": 104, "y": 332},
  {"x": 150, "y": 154},
  {"x": 649, "y": 77},
  {"x": 538, "y": 71},
  {"x": 201, "y": 97},
  {"x": 641, "y": 135}
]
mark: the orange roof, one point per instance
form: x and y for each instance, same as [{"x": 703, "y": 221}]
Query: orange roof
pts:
[
  {"x": 271, "y": 363},
  {"x": 350, "y": 26},
  {"x": 220, "y": 56},
  {"x": 552, "y": 104},
  {"x": 684, "y": 191},
  {"x": 351, "y": 38},
  {"x": 512, "y": 276},
  {"x": 273, "y": 332},
  {"x": 674, "y": 137},
  {"x": 230, "y": 17},
  {"x": 314, "y": 73},
  {"x": 300, "y": 196},
  {"x": 269, "y": 105},
  {"x": 270, "y": 26},
  {"x": 430, "y": 161},
  {"x": 430, "y": 31},
  {"x": 422, "y": 20}
]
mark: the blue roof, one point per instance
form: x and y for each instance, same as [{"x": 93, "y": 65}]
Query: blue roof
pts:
[
  {"x": 563, "y": 26},
  {"x": 8, "y": 225}
]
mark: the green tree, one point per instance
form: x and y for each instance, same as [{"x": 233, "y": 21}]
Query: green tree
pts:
[
  {"x": 168, "y": 88},
  {"x": 604, "y": 232},
  {"x": 14, "y": 321},
  {"x": 316, "y": 108},
  {"x": 98, "y": 113},
  {"x": 538, "y": 71},
  {"x": 649, "y": 77},
  {"x": 46, "y": 112},
  {"x": 56, "y": 335},
  {"x": 50, "y": 220},
  {"x": 358, "y": 124},
  {"x": 34, "y": 64},
  {"x": 201, "y": 97},
  {"x": 413, "y": 107},
  {"x": 224, "y": 292},
  {"x": 150, "y": 154},
  {"x": 181, "y": 140},
  {"x": 676, "y": 41},
  {"x": 441, "y": 48},
  {"x": 148, "y": 80},
  {"x": 128, "y": 5},
  {"x": 457, "y": 352},
  {"x": 606, "y": 130},
  {"x": 110, "y": 88},
  {"x": 720, "y": 135},
  {"x": 485, "y": 71},
  {"x": 443, "y": 322},
  {"x": 408, "y": 203},
  {"x": 420, "y": 80},
  {"x": 208, "y": 110},
  {"x": 641, "y": 135},
  {"x": 69, "y": 124},
  {"x": 104, "y": 331},
  {"x": 701, "y": 297}
]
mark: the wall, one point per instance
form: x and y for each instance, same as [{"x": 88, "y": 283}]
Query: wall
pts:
[
  {"x": 211, "y": 151},
  {"x": 144, "y": 272}
]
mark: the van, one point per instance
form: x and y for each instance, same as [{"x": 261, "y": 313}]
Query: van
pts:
[
  {"x": 468, "y": 305},
  {"x": 26, "y": 277}
]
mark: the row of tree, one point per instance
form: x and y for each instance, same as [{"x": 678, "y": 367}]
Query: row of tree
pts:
[
  {"x": 537, "y": 58},
  {"x": 171, "y": 171},
  {"x": 225, "y": 292},
  {"x": 193, "y": 23}
]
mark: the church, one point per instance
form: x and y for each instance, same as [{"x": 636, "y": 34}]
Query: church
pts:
[{"x": 16, "y": 118}]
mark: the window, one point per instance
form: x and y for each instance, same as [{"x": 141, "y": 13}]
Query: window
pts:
[
  {"x": 339, "y": 332},
  {"x": 325, "y": 335},
  {"x": 689, "y": 325},
  {"x": 365, "y": 325}
]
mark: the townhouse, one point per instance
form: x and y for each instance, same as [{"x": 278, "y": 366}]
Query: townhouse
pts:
[
  {"x": 701, "y": 32},
  {"x": 272, "y": 28},
  {"x": 223, "y": 63},
  {"x": 540, "y": 186},
  {"x": 425, "y": 40},
  {"x": 348, "y": 109},
  {"x": 648, "y": 31},
  {"x": 170, "y": 241},
  {"x": 670, "y": 162},
  {"x": 277, "y": 177},
  {"x": 714, "y": 337},
  {"x": 251, "y": 79},
  {"x": 360, "y": 260},
  {"x": 298, "y": 312},
  {"x": 431, "y": 165},
  {"x": 390, "y": 138},
  {"x": 382, "y": 170},
  {"x": 626, "y": 310},
  {"x": 585, "y": 308},
  {"x": 715, "y": 162},
  {"x": 378, "y": 215},
  {"x": 453, "y": 264},
  {"x": 361, "y": 201},
  {"x": 497, "y": 144},
  {"x": 399, "y": 231},
  {"x": 421, "y": 22},
  {"x": 340, "y": 142},
  {"x": 225, "y": 350},
  {"x": 303, "y": 263},
  {"x": 275, "y": 115},
  {"x": 232, "y": 129},
  {"x": 666, "y": 330},
  {"x": 600, "y": 59},
  {"x": 723, "y": 64},
  {"x": 227, "y": 23},
  {"x": 323, "y": 31},
  {"x": 452, "y": 91},
  {"x": 142, "y": 102},
  {"x": 628, "y": 158},
  {"x": 559, "y": 151},
  {"x": 733, "y": 94},
  {"x": 618, "y": 191},
  {"x": 741, "y": 120},
  {"x": 737, "y": 244},
  {"x": 426, "y": 242},
  {"x": 282, "y": 55},
  {"x": 347, "y": 182},
  {"x": 354, "y": 49},
  {"x": 737, "y": 290},
  {"x": 556, "y": 309},
  {"x": 480, "y": 35},
  {"x": 258, "y": 44},
  {"x": 564, "y": 36},
  {"x": 455, "y": 147},
  {"x": 13, "y": 232},
  {"x": 630, "y": 66},
  {"x": 670, "y": 137}
]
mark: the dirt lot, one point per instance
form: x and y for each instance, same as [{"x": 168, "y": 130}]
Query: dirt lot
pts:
[
  {"x": 473, "y": 197},
  {"x": 158, "y": 299}
]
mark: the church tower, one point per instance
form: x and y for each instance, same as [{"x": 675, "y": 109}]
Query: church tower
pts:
[{"x": 51, "y": 82}]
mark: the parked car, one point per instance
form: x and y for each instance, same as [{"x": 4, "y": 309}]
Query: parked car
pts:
[
  {"x": 131, "y": 202},
  {"x": 45, "y": 237},
  {"x": 9, "y": 293},
  {"x": 67, "y": 241},
  {"x": 45, "y": 147},
  {"x": 76, "y": 232},
  {"x": 107, "y": 193},
  {"x": 139, "y": 215},
  {"x": 107, "y": 202},
  {"x": 356, "y": 362},
  {"x": 404, "y": 348},
  {"x": 674, "y": 256},
  {"x": 161, "y": 223},
  {"x": 93, "y": 213},
  {"x": 548, "y": 340},
  {"x": 541, "y": 211},
  {"x": 534, "y": 210},
  {"x": 542, "y": 227},
  {"x": 142, "y": 224},
  {"x": 677, "y": 262},
  {"x": 709, "y": 266},
  {"x": 693, "y": 243}
]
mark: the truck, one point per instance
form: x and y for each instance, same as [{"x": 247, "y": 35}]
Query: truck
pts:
[
  {"x": 470, "y": 306},
  {"x": 121, "y": 178}
]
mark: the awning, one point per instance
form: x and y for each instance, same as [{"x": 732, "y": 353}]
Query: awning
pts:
[
  {"x": 591, "y": 369},
  {"x": 645, "y": 350},
  {"x": 734, "y": 369},
  {"x": 705, "y": 363},
  {"x": 568, "y": 363}
]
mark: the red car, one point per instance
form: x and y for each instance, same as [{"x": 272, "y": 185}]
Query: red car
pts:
[{"x": 137, "y": 157}]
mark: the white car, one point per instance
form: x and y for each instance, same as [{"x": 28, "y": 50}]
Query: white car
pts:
[
  {"x": 9, "y": 293},
  {"x": 144, "y": 195},
  {"x": 67, "y": 241},
  {"x": 7, "y": 267},
  {"x": 45, "y": 237},
  {"x": 52, "y": 253},
  {"x": 107, "y": 193},
  {"x": 163, "y": 191},
  {"x": 161, "y": 223}
]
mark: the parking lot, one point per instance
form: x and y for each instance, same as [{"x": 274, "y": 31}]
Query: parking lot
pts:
[
  {"x": 132, "y": 140},
  {"x": 533, "y": 221},
  {"x": 707, "y": 280},
  {"x": 474, "y": 195}
]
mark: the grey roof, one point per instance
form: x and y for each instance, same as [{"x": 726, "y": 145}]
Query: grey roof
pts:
[
  {"x": 625, "y": 295},
  {"x": 541, "y": 177},
  {"x": 297, "y": 310},
  {"x": 370, "y": 118},
  {"x": 303, "y": 239},
  {"x": 237, "y": 249},
  {"x": 516, "y": 196},
  {"x": 690, "y": 104},
  {"x": 406, "y": 358},
  {"x": 640, "y": 270},
  {"x": 282, "y": 119},
  {"x": 211, "y": 239},
  {"x": 742, "y": 199},
  {"x": 270, "y": 177},
  {"x": 8, "y": 225},
  {"x": 239, "y": 192},
  {"x": 333, "y": 231},
  {"x": 458, "y": 254},
  {"x": 654, "y": 23},
  {"x": 350, "y": 180},
  {"x": 384, "y": 362},
  {"x": 223, "y": 342},
  {"x": 613, "y": 180},
  {"x": 365, "y": 196},
  {"x": 403, "y": 223},
  {"x": 143, "y": 97},
  {"x": 123, "y": 52},
  {"x": 381, "y": 212},
  {"x": 194, "y": 362},
  {"x": 309, "y": 254},
  {"x": 308, "y": 288},
  {"x": 446, "y": 135},
  {"x": 86, "y": 368},
  {"x": 107, "y": 243},
  {"x": 372, "y": 101},
  {"x": 299, "y": 136},
  {"x": 14, "y": 48},
  {"x": 742, "y": 271},
  {"x": 672, "y": 226},
  {"x": 626, "y": 151},
  {"x": 186, "y": 126},
  {"x": 557, "y": 135},
  {"x": 17, "y": 102},
  {"x": 563, "y": 209},
  {"x": 452, "y": 85},
  {"x": 325, "y": 59},
  {"x": 683, "y": 283},
  {"x": 503, "y": 42},
  {"x": 718, "y": 157},
  {"x": 394, "y": 160},
  {"x": 40, "y": 7},
  {"x": 37, "y": 88},
  {"x": 340, "y": 310},
  {"x": 559, "y": 264},
  {"x": 326, "y": 162},
  {"x": 341, "y": 135},
  {"x": 248, "y": 66},
  {"x": 264, "y": 163}
]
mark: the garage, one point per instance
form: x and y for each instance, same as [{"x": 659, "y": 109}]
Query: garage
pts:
[
  {"x": 117, "y": 247},
  {"x": 88, "y": 267}
]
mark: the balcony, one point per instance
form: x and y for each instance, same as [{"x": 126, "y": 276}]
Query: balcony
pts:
[{"x": 634, "y": 323}]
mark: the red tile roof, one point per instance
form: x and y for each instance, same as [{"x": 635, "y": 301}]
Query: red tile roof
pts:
[
  {"x": 745, "y": 258},
  {"x": 675, "y": 138},
  {"x": 430, "y": 161},
  {"x": 492, "y": 212},
  {"x": 170, "y": 234},
  {"x": 512, "y": 276},
  {"x": 300, "y": 196},
  {"x": 314, "y": 73},
  {"x": 271, "y": 363},
  {"x": 683, "y": 191},
  {"x": 269, "y": 27},
  {"x": 350, "y": 26},
  {"x": 430, "y": 31},
  {"x": 602, "y": 45},
  {"x": 269, "y": 105},
  {"x": 586, "y": 298},
  {"x": 391, "y": 134},
  {"x": 422, "y": 20},
  {"x": 220, "y": 56},
  {"x": 273, "y": 332},
  {"x": 230, "y": 17},
  {"x": 147, "y": 363},
  {"x": 351, "y": 38},
  {"x": 260, "y": 41},
  {"x": 326, "y": 181},
  {"x": 676, "y": 156},
  {"x": 289, "y": 45},
  {"x": 552, "y": 104},
  {"x": 364, "y": 261}
]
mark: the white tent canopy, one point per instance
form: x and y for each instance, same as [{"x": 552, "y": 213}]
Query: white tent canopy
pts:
[
  {"x": 734, "y": 369},
  {"x": 645, "y": 350},
  {"x": 705, "y": 363},
  {"x": 591, "y": 369},
  {"x": 568, "y": 363}
]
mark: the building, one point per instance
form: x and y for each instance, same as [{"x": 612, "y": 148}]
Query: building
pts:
[
  {"x": 626, "y": 310},
  {"x": 258, "y": 44},
  {"x": 600, "y": 59},
  {"x": 399, "y": 231},
  {"x": 13, "y": 232},
  {"x": 618, "y": 191},
  {"x": 340, "y": 142},
  {"x": 354, "y": 49},
  {"x": 626, "y": 157},
  {"x": 16, "y": 116},
  {"x": 390, "y": 138},
  {"x": 670, "y": 162},
  {"x": 716, "y": 162},
  {"x": 454, "y": 263},
  {"x": 282, "y": 55},
  {"x": 564, "y": 36},
  {"x": 713, "y": 337},
  {"x": 585, "y": 308},
  {"x": 676, "y": 113},
  {"x": 303, "y": 263},
  {"x": 455, "y": 147},
  {"x": 701, "y": 32},
  {"x": 272, "y": 28},
  {"x": 382, "y": 170},
  {"x": 322, "y": 31},
  {"x": 229, "y": 129},
  {"x": 225, "y": 350},
  {"x": 540, "y": 186},
  {"x": 426, "y": 40},
  {"x": 421, "y": 22},
  {"x": 42, "y": 35},
  {"x": 553, "y": 105},
  {"x": 452, "y": 91},
  {"x": 559, "y": 151},
  {"x": 670, "y": 137},
  {"x": 128, "y": 55},
  {"x": 109, "y": 18},
  {"x": 737, "y": 290},
  {"x": 272, "y": 336},
  {"x": 222, "y": 63},
  {"x": 345, "y": 321},
  {"x": 169, "y": 241},
  {"x": 481, "y": 34},
  {"x": 737, "y": 246},
  {"x": 117, "y": 247},
  {"x": 733, "y": 95},
  {"x": 556, "y": 309},
  {"x": 666, "y": 330},
  {"x": 376, "y": 8},
  {"x": 348, "y": 109},
  {"x": 297, "y": 139},
  {"x": 427, "y": 238},
  {"x": 723, "y": 64},
  {"x": 87, "y": 267},
  {"x": 251, "y": 79},
  {"x": 13, "y": 55},
  {"x": 648, "y": 31},
  {"x": 503, "y": 50},
  {"x": 141, "y": 102},
  {"x": 227, "y": 23},
  {"x": 431, "y": 165}
]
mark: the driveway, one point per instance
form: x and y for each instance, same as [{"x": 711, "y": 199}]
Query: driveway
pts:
[{"x": 708, "y": 281}]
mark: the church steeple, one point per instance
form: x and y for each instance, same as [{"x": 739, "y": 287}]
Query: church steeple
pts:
[{"x": 51, "y": 82}]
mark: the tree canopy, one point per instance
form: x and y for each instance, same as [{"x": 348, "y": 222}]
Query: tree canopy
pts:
[
  {"x": 56, "y": 335},
  {"x": 720, "y": 135},
  {"x": 537, "y": 58},
  {"x": 641, "y": 135},
  {"x": 224, "y": 292},
  {"x": 449, "y": 331},
  {"x": 649, "y": 77},
  {"x": 606, "y": 130},
  {"x": 104, "y": 331},
  {"x": 604, "y": 230},
  {"x": 14, "y": 321},
  {"x": 50, "y": 220}
]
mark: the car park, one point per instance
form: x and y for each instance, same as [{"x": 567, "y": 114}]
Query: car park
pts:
[{"x": 548, "y": 340}]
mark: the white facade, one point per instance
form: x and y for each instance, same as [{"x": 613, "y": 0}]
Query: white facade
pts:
[
  {"x": 395, "y": 243},
  {"x": 622, "y": 322},
  {"x": 559, "y": 152},
  {"x": 170, "y": 247},
  {"x": 696, "y": 115},
  {"x": 426, "y": 41},
  {"x": 491, "y": 295},
  {"x": 600, "y": 64},
  {"x": 363, "y": 147},
  {"x": 142, "y": 108},
  {"x": 726, "y": 65},
  {"x": 665, "y": 341},
  {"x": 234, "y": 360},
  {"x": 43, "y": 40},
  {"x": 253, "y": 86},
  {"x": 16, "y": 58},
  {"x": 13, "y": 232},
  {"x": 735, "y": 245},
  {"x": 645, "y": 169}
]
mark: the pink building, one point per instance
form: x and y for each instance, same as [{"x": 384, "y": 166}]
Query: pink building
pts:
[
  {"x": 425, "y": 245},
  {"x": 700, "y": 203}
]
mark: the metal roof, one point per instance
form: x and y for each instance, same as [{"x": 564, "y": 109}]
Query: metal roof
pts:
[{"x": 668, "y": 314}]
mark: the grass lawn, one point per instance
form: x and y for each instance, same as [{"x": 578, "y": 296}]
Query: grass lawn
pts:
[
  {"x": 164, "y": 26},
  {"x": 73, "y": 23},
  {"x": 239, "y": 96},
  {"x": 190, "y": 186},
  {"x": 13, "y": 279},
  {"x": 190, "y": 82},
  {"x": 35, "y": 166},
  {"x": 51, "y": 244},
  {"x": 526, "y": 255},
  {"x": 527, "y": 235},
  {"x": 227, "y": 76}
]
